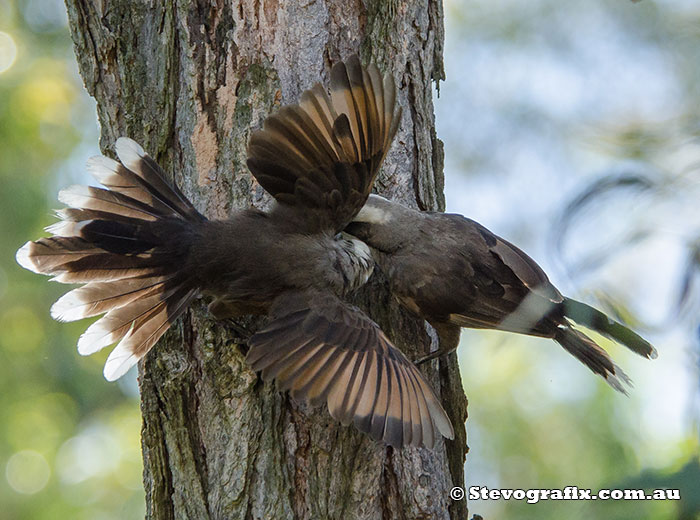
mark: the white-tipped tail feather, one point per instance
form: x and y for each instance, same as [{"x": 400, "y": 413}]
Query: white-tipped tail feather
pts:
[
  {"x": 98, "y": 336},
  {"x": 104, "y": 170},
  {"x": 23, "y": 258},
  {"x": 98, "y": 199},
  {"x": 144, "y": 332},
  {"x": 75, "y": 196},
  {"x": 129, "y": 153},
  {"x": 119, "y": 361},
  {"x": 96, "y": 298},
  {"x": 619, "y": 380},
  {"x": 121, "y": 243},
  {"x": 66, "y": 228}
]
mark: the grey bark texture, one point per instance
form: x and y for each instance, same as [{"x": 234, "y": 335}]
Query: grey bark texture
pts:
[{"x": 190, "y": 80}]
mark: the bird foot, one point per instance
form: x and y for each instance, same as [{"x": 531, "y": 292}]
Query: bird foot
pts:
[{"x": 433, "y": 355}]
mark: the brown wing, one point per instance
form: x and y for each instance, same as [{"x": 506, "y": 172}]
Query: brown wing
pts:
[
  {"x": 321, "y": 157},
  {"x": 514, "y": 291},
  {"x": 500, "y": 287},
  {"x": 324, "y": 350}
]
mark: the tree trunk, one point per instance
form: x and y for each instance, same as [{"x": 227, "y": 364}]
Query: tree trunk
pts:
[{"x": 190, "y": 80}]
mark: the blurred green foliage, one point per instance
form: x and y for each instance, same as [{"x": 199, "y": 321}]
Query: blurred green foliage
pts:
[
  {"x": 579, "y": 120},
  {"x": 69, "y": 443}
]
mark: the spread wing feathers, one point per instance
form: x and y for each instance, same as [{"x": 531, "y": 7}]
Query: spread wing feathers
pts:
[
  {"x": 323, "y": 155},
  {"x": 590, "y": 354},
  {"x": 368, "y": 100},
  {"x": 129, "y": 244},
  {"x": 324, "y": 350}
]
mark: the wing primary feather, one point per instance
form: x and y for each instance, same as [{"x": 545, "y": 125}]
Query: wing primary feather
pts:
[
  {"x": 320, "y": 158},
  {"x": 426, "y": 424},
  {"x": 322, "y": 349},
  {"x": 377, "y": 425},
  {"x": 406, "y": 401},
  {"x": 307, "y": 371},
  {"x": 321, "y": 391},
  {"x": 294, "y": 366},
  {"x": 437, "y": 414},
  {"x": 393, "y": 432},
  {"x": 368, "y": 394},
  {"x": 345, "y": 396},
  {"x": 342, "y": 386},
  {"x": 271, "y": 356}
]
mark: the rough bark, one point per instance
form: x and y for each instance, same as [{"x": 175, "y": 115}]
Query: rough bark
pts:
[{"x": 190, "y": 80}]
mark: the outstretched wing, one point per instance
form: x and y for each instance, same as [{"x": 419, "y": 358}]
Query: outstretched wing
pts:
[
  {"x": 324, "y": 350},
  {"x": 320, "y": 158}
]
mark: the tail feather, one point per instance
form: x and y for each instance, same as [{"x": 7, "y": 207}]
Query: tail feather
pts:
[
  {"x": 50, "y": 255},
  {"x": 145, "y": 332},
  {"x": 152, "y": 178},
  {"x": 82, "y": 271},
  {"x": 100, "y": 199},
  {"x": 589, "y": 317},
  {"x": 129, "y": 244},
  {"x": 117, "y": 178},
  {"x": 120, "y": 321},
  {"x": 96, "y": 298},
  {"x": 75, "y": 260},
  {"x": 593, "y": 356},
  {"x": 81, "y": 215}
]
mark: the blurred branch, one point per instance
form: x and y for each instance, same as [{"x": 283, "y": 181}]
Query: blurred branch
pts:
[{"x": 574, "y": 210}]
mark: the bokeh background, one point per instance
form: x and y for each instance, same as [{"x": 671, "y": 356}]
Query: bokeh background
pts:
[{"x": 571, "y": 128}]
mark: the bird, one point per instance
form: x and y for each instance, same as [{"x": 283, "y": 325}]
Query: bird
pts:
[
  {"x": 454, "y": 273},
  {"x": 144, "y": 254}
]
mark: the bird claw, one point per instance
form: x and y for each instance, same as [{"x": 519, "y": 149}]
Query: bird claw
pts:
[{"x": 433, "y": 355}]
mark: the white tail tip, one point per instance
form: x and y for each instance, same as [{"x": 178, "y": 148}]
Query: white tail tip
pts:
[
  {"x": 97, "y": 336},
  {"x": 119, "y": 361},
  {"x": 68, "y": 307},
  {"x": 23, "y": 259},
  {"x": 74, "y": 196},
  {"x": 101, "y": 168},
  {"x": 128, "y": 151},
  {"x": 66, "y": 228}
]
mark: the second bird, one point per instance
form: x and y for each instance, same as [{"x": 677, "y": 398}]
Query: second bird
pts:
[{"x": 454, "y": 273}]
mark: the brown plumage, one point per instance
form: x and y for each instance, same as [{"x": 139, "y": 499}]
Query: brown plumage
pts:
[
  {"x": 326, "y": 351},
  {"x": 144, "y": 253},
  {"x": 454, "y": 272}
]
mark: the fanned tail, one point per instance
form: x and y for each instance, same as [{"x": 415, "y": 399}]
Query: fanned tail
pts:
[{"x": 129, "y": 245}]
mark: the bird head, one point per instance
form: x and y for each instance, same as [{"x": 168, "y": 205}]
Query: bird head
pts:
[{"x": 382, "y": 224}]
